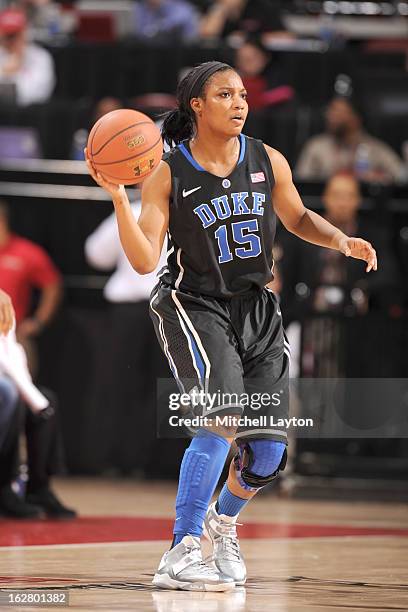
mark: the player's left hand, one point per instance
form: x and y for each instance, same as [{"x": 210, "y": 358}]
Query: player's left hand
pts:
[{"x": 359, "y": 249}]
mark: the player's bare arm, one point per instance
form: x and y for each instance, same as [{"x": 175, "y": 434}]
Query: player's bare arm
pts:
[
  {"x": 307, "y": 224},
  {"x": 141, "y": 240}
]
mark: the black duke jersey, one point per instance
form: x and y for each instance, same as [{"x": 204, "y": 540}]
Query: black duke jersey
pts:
[{"x": 221, "y": 230}]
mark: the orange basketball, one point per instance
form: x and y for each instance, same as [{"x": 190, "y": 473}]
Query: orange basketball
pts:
[{"x": 125, "y": 146}]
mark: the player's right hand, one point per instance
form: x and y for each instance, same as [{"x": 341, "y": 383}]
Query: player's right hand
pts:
[
  {"x": 7, "y": 316},
  {"x": 114, "y": 190}
]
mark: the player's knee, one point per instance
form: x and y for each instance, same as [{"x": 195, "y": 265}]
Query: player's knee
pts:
[
  {"x": 225, "y": 429},
  {"x": 259, "y": 462}
]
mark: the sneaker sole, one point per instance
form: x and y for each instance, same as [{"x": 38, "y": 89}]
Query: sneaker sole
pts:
[
  {"x": 207, "y": 535},
  {"x": 164, "y": 581}
]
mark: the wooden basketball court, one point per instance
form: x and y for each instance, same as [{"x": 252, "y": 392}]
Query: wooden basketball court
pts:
[{"x": 301, "y": 555}]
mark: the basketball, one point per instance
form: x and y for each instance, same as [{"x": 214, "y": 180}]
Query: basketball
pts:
[{"x": 125, "y": 146}]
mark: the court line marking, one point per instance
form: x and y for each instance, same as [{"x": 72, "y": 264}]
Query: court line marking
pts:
[{"x": 133, "y": 542}]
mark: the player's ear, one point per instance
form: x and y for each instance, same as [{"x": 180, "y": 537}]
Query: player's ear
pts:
[{"x": 196, "y": 104}]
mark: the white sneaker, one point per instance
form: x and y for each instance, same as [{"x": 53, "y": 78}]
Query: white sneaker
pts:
[
  {"x": 221, "y": 530},
  {"x": 183, "y": 567}
]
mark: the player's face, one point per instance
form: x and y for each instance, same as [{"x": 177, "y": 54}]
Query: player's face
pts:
[{"x": 224, "y": 108}]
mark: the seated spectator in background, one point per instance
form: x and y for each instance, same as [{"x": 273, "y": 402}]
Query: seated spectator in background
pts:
[
  {"x": 25, "y": 266},
  {"x": 25, "y": 66},
  {"x": 227, "y": 17},
  {"x": 34, "y": 411},
  {"x": 166, "y": 20},
  {"x": 261, "y": 76},
  {"x": 8, "y": 406},
  {"x": 134, "y": 359},
  {"x": 80, "y": 138},
  {"x": 7, "y": 315},
  {"x": 17, "y": 393},
  {"x": 345, "y": 146},
  {"x": 322, "y": 280},
  {"x": 38, "y": 12},
  {"x": 8, "y": 393}
]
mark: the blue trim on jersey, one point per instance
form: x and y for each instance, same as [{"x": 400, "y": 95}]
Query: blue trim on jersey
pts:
[
  {"x": 197, "y": 355},
  {"x": 242, "y": 141},
  {"x": 193, "y": 162},
  {"x": 190, "y": 158}
]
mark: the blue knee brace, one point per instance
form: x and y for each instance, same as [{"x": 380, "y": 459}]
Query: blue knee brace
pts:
[
  {"x": 199, "y": 474},
  {"x": 259, "y": 462}
]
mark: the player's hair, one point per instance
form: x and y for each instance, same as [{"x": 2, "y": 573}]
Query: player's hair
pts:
[{"x": 180, "y": 123}]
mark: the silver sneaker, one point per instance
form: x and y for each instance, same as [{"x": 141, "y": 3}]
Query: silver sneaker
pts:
[
  {"x": 183, "y": 567},
  {"x": 221, "y": 530}
]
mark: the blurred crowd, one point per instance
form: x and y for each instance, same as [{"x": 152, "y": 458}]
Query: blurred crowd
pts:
[{"x": 28, "y": 74}]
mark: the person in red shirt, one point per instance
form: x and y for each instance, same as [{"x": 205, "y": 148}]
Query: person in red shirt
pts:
[
  {"x": 262, "y": 75},
  {"x": 25, "y": 266}
]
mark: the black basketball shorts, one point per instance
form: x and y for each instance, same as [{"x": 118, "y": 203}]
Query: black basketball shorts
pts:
[{"x": 234, "y": 351}]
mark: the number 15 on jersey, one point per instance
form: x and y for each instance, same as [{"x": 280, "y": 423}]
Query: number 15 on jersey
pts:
[{"x": 243, "y": 233}]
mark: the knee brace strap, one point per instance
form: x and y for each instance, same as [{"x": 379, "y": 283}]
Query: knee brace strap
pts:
[{"x": 244, "y": 464}]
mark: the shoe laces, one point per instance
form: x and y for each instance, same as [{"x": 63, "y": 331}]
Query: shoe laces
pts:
[
  {"x": 231, "y": 547},
  {"x": 227, "y": 530},
  {"x": 195, "y": 556},
  {"x": 227, "y": 540}
]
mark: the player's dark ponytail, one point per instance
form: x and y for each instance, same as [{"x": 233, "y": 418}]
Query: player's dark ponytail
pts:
[{"x": 180, "y": 123}]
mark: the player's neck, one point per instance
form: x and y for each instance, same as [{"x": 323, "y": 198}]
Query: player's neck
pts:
[{"x": 211, "y": 150}]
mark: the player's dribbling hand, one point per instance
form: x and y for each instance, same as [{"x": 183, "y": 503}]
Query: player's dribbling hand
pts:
[
  {"x": 113, "y": 189},
  {"x": 359, "y": 249}
]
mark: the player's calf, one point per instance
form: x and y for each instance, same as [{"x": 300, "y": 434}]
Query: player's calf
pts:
[{"x": 257, "y": 463}]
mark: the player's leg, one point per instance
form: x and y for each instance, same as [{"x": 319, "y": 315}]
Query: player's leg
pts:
[
  {"x": 262, "y": 448},
  {"x": 195, "y": 339},
  {"x": 257, "y": 463}
]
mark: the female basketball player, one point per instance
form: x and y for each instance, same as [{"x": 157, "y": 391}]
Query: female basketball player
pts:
[{"x": 217, "y": 194}]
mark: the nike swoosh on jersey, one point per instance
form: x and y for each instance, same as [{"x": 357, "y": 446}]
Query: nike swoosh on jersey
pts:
[{"x": 187, "y": 193}]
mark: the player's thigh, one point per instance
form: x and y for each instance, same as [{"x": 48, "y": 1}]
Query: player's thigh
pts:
[
  {"x": 201, "y": 348},
  {"x": 266, "y": 380}
]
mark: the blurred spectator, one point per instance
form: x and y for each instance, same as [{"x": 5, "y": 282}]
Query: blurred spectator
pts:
[
  {"x": 8, "y": 406},
  {"x": 80, "y": 138},
  {"x": 323, "y": 280},
  {"x": 8, "y": 393},
  {"x": 261, "y": 76},
  {"x": 24, "y": 266},
  {"x": 226, "y": 17},
  {"x": 37, "y": 410},
  {"x": 7, "y": 315},
  {"x": 345, "y": 146},
  {"x": 38, "y": 11},
  {"x": 166, "y": 19},
  {"x": 26, "y": 67},
  {"x": 134, "y": 361}
]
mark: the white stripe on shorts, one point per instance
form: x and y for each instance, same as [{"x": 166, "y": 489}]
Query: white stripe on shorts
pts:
[
  {"x": 195, "y": 335},
  {"x": 187, "y": 335},
  {"x": 181, "y": 273},
  {"x": 165, "y": 344}
]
